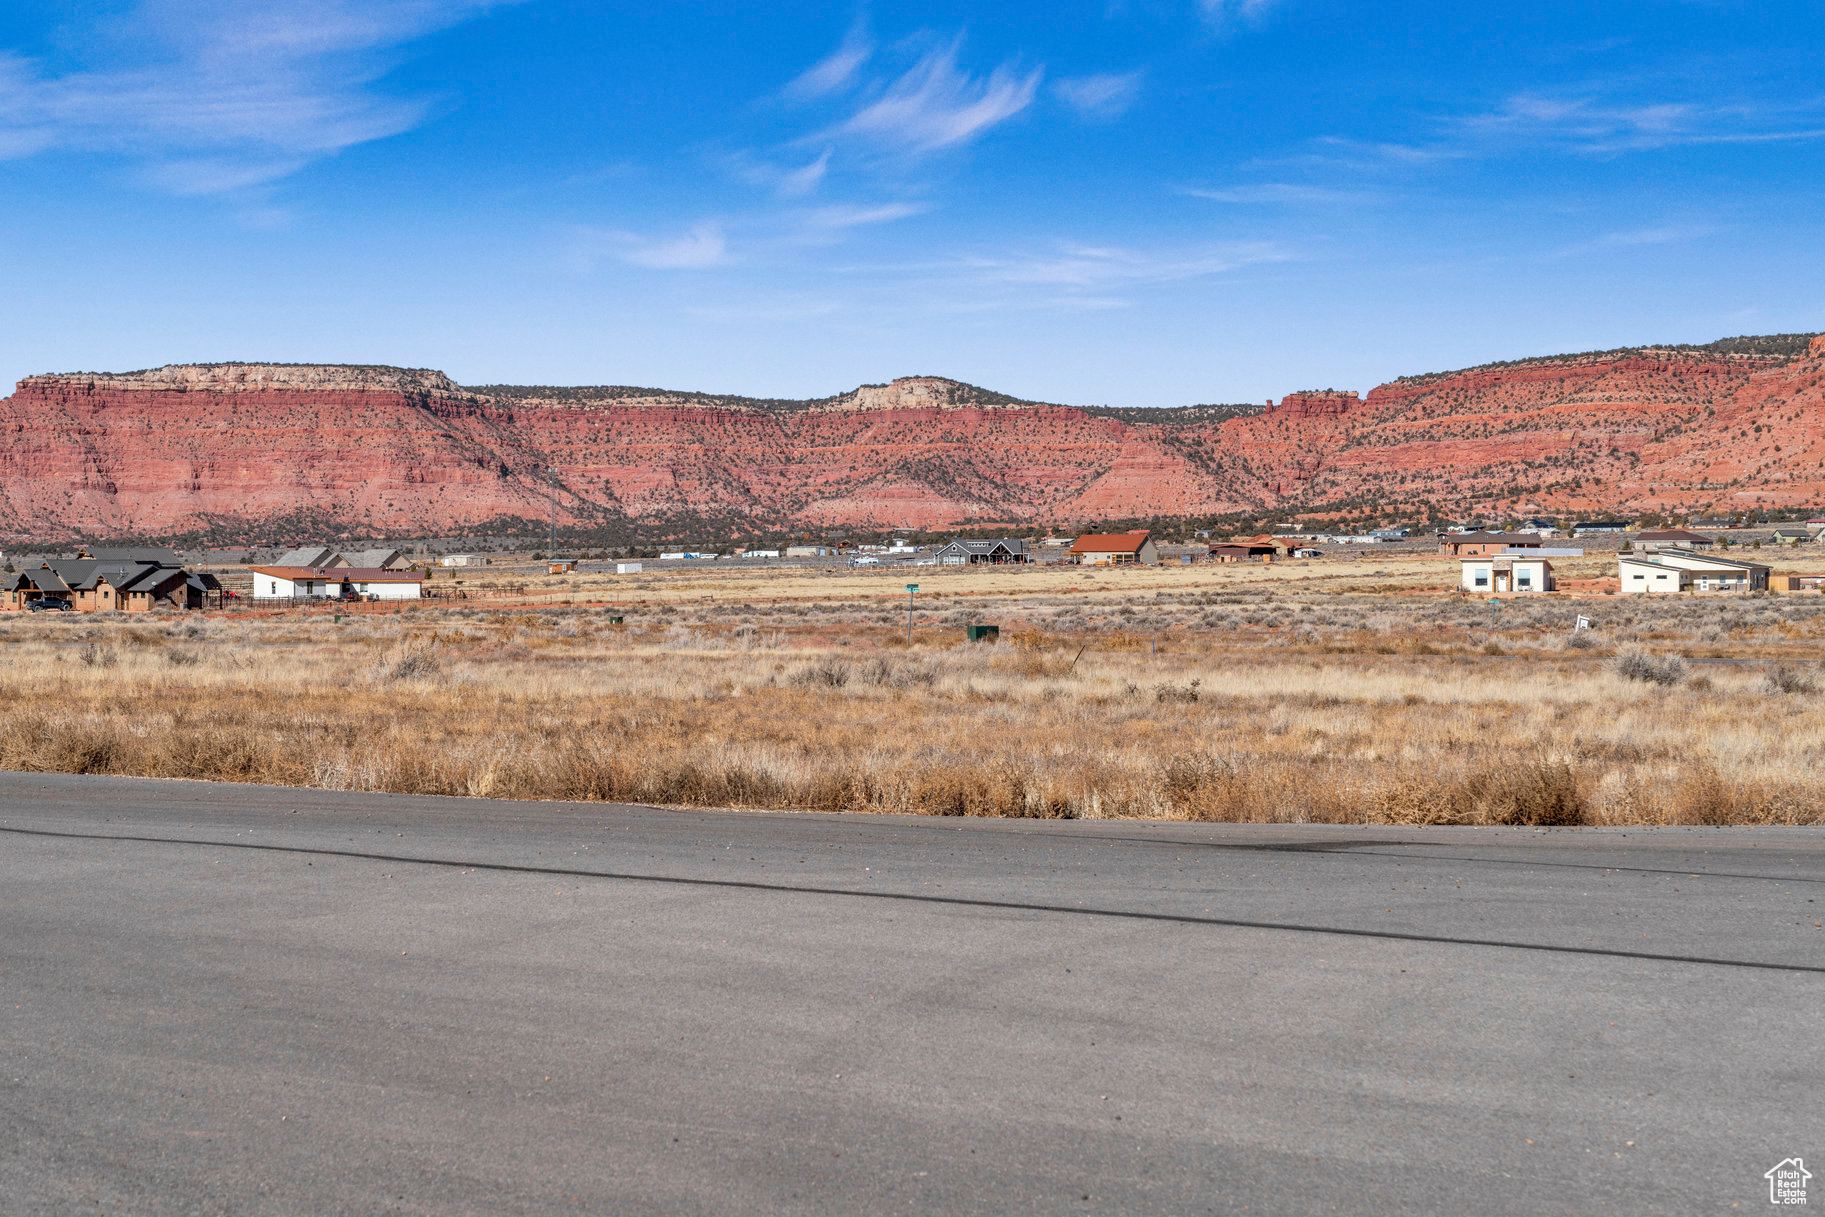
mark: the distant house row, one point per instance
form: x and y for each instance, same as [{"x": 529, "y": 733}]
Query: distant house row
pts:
[
  {"x": 1670, "y": 569},
  {"x": 1472, "y": 544},
  {"x": 102, "y": 579},
  {"x": 1091, "y": 549}
]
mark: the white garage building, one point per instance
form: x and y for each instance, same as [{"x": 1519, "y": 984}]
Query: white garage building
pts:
[{"x": 335, "y": 583}]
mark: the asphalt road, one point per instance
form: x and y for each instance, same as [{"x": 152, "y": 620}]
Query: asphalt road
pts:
[{"x": 246, "y": 1000}]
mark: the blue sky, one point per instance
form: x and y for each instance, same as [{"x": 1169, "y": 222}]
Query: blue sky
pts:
[{"x": 1138, "y": 202}]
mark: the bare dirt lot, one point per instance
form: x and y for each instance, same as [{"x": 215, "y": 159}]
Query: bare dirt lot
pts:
[{"x": 1325, "y": 691}]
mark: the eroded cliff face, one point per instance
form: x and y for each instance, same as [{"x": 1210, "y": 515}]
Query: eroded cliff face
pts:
[{"x": 407, "y": 451}]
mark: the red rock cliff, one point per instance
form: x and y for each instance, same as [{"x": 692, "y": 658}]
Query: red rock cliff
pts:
[{"x": 407, "y": 451}]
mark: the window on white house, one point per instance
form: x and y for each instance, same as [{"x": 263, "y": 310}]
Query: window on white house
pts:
[{"x": 1482, "y": 578}]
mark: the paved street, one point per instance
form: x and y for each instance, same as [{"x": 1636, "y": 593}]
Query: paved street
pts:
[{"x": 245, "y": 1000}]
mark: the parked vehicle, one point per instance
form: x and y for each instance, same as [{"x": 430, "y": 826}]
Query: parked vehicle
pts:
[{"x": 57, "y": 603}]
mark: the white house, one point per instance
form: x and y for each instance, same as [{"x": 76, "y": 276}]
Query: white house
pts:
[
  {"x": 335, "y": 583},
  {"x": 628, "y": 568},
  {"x": 1524, "y": 570},
  {"x": 1678, "y": 570},
  {"x": 458, "y": 560}
]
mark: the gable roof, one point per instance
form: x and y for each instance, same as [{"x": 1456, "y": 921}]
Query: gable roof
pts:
[
  {"x": 1111, "y": 543},
  {"x": 47, "y": 581},
  {"x": 369, "y": 559},
  {"x": 306, "y": 555}
]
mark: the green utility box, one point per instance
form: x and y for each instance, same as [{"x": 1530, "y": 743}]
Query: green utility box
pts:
[
  {"x": 615, "y": 620},
  {"x": 982, "y": 633}
]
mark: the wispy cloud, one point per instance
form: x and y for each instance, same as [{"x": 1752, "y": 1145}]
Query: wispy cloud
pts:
[
  {"x": 802, "y": 181},
  {"x": 836, "y": 71},
  {"x": 935, "y": 105},
  {"x": 215, "y": 96},
  {"x": 1104, "y": 95},
  {"x": 1635, "y": 238},
  {"x": 1223, "y": 13},
  {"x": 1586, "y": 123},
  {"x": 841, "y": 217},
  {"x": 1269, "y": 193},
  {"x": 703, "y": 246},
  {"x": 1109, "y": 266}
]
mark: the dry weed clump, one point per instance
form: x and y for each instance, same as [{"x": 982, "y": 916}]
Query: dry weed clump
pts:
[
  {"x": 410, "y": 661},
  {"x": 1633, "y": 663},
  {"x": 1535, "y": 793},
  {"x": 1785, "y": 679}
]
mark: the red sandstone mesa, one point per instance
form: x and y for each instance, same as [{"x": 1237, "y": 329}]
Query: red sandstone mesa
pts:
[{"x": 408, "y": 451}]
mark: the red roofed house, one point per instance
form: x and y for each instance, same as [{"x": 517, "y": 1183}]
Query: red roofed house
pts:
[{"x": 1114, "y": 549}]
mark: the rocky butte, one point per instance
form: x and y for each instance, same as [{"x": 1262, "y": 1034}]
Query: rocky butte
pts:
[{"x": 237, "y": 449}]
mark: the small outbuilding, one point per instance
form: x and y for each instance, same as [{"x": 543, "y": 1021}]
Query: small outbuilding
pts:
[{"x": 1255, "y": 550}]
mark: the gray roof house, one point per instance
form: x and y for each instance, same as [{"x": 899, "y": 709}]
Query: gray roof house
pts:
[
  {"x": 374, "y": 559},
  {"x": 968, "y": 553},
  {"x": 309, "y": 555}
]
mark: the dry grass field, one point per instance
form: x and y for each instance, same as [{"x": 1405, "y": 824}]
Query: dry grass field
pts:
[{"x": 1338, "y": 691}]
